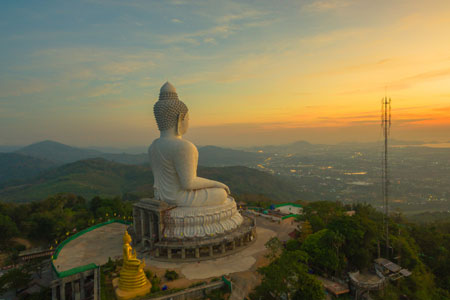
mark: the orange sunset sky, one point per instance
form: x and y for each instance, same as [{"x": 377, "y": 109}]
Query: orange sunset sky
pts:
[{"x": 87, "y": 73}]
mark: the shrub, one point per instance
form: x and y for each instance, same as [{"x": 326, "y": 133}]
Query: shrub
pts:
[
  {"x": 171, "y": 275},
  {"x": 155, "y": 281}
]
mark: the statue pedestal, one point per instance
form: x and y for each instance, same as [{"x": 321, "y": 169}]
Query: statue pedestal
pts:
[
  {"x": 155, "y": 221},
  {"x": 171, "y": 233},
  {"x": 125, "y": 295},
  {"x": 198, "y": 222}
]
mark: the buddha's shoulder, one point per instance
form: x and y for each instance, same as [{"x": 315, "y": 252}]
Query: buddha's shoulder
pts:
[
  {"x": 185, "y": 145},
  {"x": 175, "y": 144}
]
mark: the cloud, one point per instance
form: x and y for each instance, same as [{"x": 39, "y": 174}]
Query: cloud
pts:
[
  {"x": 418, "y": 78},
  {"x": 238, "y": 17},
  {"x": 210, "y": 41},
  {"x": 325, "y": 5},
  {"x": 106, "y": 90},
  {"x": 403, "y": 83},
  {"x": 89, "y": 63},
  {"x": 324, "y": 38},
  {"x": 28, "y": 86}
]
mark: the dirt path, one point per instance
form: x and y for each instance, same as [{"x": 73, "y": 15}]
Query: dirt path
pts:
[{"x": 23, "y": 241}]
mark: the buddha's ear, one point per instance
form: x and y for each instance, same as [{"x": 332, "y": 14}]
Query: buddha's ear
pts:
[{"x": 180, "y": 119}]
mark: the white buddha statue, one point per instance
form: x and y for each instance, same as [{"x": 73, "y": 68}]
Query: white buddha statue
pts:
[{"x": 174, "y": 164}]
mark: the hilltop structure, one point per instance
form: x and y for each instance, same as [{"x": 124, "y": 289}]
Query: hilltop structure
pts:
[
  {"x": 189, "y": 216},
  {"x": 77, "y": 260}
]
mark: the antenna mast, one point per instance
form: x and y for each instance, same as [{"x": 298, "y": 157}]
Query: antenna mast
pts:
[{"x": 386, "y": 125}]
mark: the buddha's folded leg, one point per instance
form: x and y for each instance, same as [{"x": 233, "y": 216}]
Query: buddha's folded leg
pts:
[{"x": 203, "y": 197}]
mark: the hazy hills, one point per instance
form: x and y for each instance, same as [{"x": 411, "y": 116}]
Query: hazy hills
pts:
[
  {"x": 41, "y": 169},
  {"x": 303, "y": 171},
  {"x": 61, "y": 154},
  {"x": 93, "y": 177},
  {"x": 17, "y": 167}
]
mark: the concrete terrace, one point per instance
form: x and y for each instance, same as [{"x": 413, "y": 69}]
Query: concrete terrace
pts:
[{"x": 95, "y": 246}]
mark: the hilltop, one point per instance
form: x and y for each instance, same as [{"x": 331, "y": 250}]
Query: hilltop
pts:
[{"x": 92, "y": 177}]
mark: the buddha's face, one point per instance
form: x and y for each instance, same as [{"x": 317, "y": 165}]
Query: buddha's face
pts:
[
  {"x": 183, "y": 125},
  {"x": 126, "y": 238}
]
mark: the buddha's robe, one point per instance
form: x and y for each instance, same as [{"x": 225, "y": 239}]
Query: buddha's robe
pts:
[{"x": 174, "y": 164}]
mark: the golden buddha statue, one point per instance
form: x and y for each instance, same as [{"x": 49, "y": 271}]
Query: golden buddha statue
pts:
[{"x": 132, "y": 281}]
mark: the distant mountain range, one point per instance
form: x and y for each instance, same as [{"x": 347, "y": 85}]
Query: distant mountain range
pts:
[
  {"x": 29, "y": 161},
  {"x": 61, "y": 153},
  {"x": 92, "y": 177},
  {"x": 45, "y": 168},
  {"x": 16, "y": 167},
  {"x": 208, "y": 155}
]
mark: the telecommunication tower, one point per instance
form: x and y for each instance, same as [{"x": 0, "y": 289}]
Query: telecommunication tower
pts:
[{"x": 386, "y": 125}]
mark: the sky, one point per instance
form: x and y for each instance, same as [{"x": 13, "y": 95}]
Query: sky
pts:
[{"x": 87, "y": 73}]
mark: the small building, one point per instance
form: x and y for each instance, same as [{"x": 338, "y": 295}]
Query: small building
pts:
[
  {"x": 389, "y": 269},
  {"x": 350, "y": 213},
  {"x": 288, "y": 208},
  {"x": 334, "y": 286},
  {"x": 289, "y": 219},
  {"x": 362, "y": 283}
]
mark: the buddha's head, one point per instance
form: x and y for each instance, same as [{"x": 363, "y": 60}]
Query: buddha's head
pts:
[
  {"x": 126, "y": 238},
  {"x": 170, "y": 112}
]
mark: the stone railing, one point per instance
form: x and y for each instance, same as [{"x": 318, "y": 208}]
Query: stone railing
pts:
[{"x": 197, "y": 292}]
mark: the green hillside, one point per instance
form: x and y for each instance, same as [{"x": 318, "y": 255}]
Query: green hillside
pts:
[
  {"x": 92, "y": 177},
  {"x": 15, "y": 167},
  {"x": 243, "y": 180}
]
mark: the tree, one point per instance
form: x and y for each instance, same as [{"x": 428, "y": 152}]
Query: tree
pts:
[
  {"x": 286, "y": 276},
  {"x": 14, "y": 279},
  {"x": 44, "y": 226},
  {"x": 8, "y": 230},
  {"x": 305, "y": 231},
  {"x": 323, "y": 211},
  {"x": 308, "y": 288},
  {"x": 359, "y": 240},
  {"x": 316, "y": 223},
  {"x": 292, "y": 245},
  {"x": 323, "y": 249},
  {"x": 274, "y": 247},
  {"x": 171, "y": 275}
]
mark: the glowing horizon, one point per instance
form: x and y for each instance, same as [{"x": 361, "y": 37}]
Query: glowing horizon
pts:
[{"x": 88, "y": 73}]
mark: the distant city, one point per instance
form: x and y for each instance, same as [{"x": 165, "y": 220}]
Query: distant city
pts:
[{"x": 352, "y": 173}]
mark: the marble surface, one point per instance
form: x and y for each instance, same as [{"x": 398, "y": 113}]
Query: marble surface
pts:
[{"x": 203, "y": 206}]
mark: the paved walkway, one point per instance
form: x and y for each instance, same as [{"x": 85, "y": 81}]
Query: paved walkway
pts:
[
  {"x": 95, "y": 246},
  {"x": 238, "y": 262}
]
